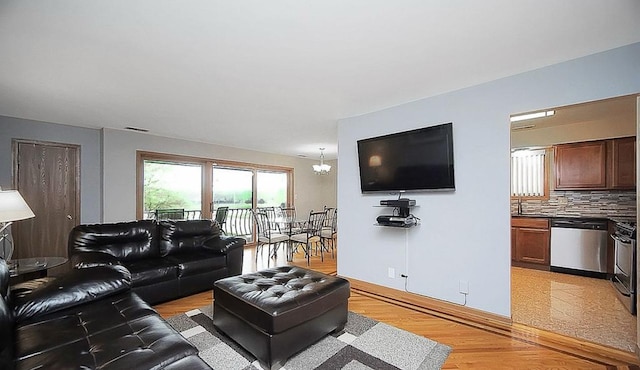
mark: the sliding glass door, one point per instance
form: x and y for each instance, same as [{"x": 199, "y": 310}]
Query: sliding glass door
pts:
[
  {"x": 232, "y": 187},
  {"x": 179, "y": 187}
]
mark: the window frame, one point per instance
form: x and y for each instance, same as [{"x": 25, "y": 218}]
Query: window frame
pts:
[
  {"x": 207, "y": 165},
  {"x": 548, "y": 152}
]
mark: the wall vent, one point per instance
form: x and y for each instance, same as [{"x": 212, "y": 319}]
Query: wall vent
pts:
[{"x": 138, "y": 129}]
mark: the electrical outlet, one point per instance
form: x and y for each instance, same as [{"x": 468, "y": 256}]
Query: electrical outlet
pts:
[
  {"x": 464, "y": 287},
  {"x": 391, "y": 272}
]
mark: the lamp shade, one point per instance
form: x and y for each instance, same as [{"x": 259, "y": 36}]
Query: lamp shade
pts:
[{"x": 13, "y": 207}]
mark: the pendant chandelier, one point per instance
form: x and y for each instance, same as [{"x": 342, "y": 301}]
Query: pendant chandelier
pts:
[{"x": 321, "y": 169}]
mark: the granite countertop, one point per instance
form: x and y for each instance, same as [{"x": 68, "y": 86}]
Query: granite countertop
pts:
[{"x": 614, "y": 218}]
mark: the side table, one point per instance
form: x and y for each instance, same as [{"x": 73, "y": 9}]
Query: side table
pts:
[{"x": 23, "y": 269}]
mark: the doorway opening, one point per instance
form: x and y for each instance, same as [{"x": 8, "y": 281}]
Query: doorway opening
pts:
[{"x": 588, "y": 177}]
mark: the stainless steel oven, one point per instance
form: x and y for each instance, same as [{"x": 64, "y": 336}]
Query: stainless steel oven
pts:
[{"x": 624, "y": 278}]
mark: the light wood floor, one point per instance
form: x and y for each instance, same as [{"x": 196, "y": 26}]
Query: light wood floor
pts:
[
  {"x": 473, "y": 347},
  {"x": 572, "y": 305}
]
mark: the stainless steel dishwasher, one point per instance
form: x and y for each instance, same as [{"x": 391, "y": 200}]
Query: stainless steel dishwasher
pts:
[{"x": 579, "y": 245}]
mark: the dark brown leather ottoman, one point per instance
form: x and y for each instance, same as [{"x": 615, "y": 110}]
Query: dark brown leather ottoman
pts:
[{"x": 278, "y": 312}]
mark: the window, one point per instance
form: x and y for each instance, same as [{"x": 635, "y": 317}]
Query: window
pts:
[
  {"x": 232, "y": 187},
  {"x": 172, "y": 190},
  {"x": 181, "y": 187},
  {"x": 272, "y": 189},
  {"x": 529, "y": 173}
]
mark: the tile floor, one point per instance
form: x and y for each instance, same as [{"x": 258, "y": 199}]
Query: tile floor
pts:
[{"x": 577, "y": 306}]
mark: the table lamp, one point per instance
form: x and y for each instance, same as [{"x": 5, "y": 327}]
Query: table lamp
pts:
[{"x": 12, "y": 208}]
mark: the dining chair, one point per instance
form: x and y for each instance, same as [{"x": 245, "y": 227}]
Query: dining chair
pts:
[
  {"x": 330, "y": 229},
  {"x": 273, "y": 215},
  {"x": 267, "y": 236},
  {"x": 310, "y": 233},
  {"x": 221, "y": 217}
]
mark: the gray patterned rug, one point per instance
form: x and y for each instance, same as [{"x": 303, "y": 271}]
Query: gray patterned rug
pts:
[{"x": 364, "y": 344}]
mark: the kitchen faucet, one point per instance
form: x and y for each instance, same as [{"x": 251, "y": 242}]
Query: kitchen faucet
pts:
[{"x": 519, "y": 206}]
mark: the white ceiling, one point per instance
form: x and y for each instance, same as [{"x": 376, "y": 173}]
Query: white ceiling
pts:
[
  {"x": 622, "y": 108},
  {"x": 275, "y": 76}
]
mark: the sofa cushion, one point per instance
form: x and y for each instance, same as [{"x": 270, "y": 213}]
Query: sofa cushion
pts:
[
  {"x": 151, "y": 271},
  {"x": 77, "y": 322},
  {"x": 197, "y": 262},
  {"x": 145, "y": 343},
  {"x": 72, "y": 289},
  {"x": 184, "y": 236},
  {"x": 127, "y": 241}
]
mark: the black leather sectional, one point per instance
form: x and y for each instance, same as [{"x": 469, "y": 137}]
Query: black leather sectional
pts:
[
  {"x": 87, "y": 319},
  {"x": 167, "y": 259}
]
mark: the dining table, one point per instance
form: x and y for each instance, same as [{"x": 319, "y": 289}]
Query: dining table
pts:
[{"x": 289, "y": 226}]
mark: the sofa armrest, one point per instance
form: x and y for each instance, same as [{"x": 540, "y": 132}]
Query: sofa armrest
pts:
[
  {"x": 232, "y": 248},
  {"x": 224, "y": 244},
  {"x": 93, "y": 259},
  {"x": 77, "y": 287}
]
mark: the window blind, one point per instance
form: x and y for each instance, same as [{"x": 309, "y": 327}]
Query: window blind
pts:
[{"x": 527, "y": 173}]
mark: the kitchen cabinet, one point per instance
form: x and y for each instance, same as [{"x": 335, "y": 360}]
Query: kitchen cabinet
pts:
[
  {"x": 623, "y": 163},
  {"x": 581, "y": 165},
  {"x": 595, "y": 165},
  {"x": 530, "y": 240}
]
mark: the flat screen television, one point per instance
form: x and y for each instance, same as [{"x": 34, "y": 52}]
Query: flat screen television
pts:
[{"x": 416, "y": 160}]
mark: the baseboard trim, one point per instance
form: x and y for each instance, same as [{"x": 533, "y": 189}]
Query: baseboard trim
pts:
[{"x": 497, "y": 324}]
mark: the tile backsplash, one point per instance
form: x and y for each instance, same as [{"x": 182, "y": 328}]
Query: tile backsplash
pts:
[{"x": 581, "y": 203}]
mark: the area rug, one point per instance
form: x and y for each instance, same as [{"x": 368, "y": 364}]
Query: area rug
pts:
[{"x": 364, "y": 344}]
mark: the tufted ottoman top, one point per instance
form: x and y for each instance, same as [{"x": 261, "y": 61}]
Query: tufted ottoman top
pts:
[{"x": 279, "y": 298}]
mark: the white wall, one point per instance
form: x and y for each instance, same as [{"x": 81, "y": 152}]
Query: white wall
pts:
[
  {"x": 464, "y": 235},
  {"x": 119, "y": 148}
]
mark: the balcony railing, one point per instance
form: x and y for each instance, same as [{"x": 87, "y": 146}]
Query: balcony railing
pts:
[
  {"x": 239, "y": 221},
  {"x": 172, "y": 214}
]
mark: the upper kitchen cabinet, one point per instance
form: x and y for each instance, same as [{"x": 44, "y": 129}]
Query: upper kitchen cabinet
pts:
[
  {"x": 623, "y": 163},
  {"x": 581, "y": 165},
  {"x": 595, "y": 165}
]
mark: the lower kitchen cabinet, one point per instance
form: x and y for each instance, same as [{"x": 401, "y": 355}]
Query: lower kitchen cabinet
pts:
[{"x": 530, "y": 240}]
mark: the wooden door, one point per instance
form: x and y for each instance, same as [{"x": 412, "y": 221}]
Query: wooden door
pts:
[{"x": 48, "y": 177}]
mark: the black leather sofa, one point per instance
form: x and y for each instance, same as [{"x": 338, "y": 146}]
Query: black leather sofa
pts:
[
  {"x": 87, "y": 319},
  {"x": 167, "y": 259}
]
